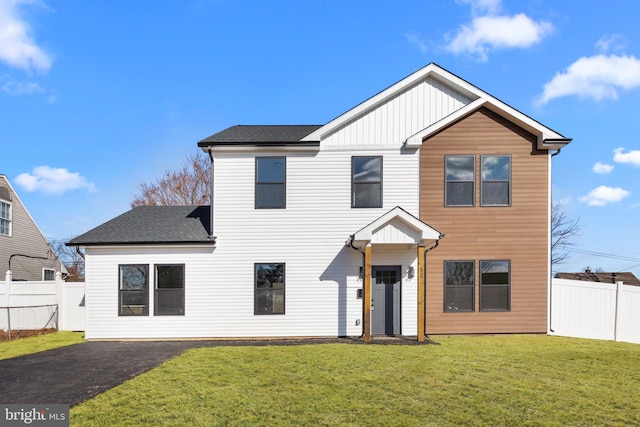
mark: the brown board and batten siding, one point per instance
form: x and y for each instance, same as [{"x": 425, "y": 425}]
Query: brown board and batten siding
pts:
[{"x": 518, "y": 233}]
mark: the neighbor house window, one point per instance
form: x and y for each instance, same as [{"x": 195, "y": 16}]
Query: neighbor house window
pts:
[
  {"x": 459, "y": 180},
  {"x": 496, "y": 181},
  {"x": 48, "y": 274},
  {"x": 366, "y": 182},
  {"x": 169, "y": 292},
  {"x": 269, "y": 288},
  {"x": 495, "y": 284},
  {"x": 459, "y": 285},
  {"x": 134, "y": 290},
  {"x": 5, "y": 218},
  {"x": 270, "y": 182}
]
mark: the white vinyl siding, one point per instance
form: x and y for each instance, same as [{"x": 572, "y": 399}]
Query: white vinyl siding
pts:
[{"x": 393, "y": 121}]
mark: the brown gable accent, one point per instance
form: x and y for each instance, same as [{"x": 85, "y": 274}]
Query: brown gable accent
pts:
[{"x": 518, "y": 233}]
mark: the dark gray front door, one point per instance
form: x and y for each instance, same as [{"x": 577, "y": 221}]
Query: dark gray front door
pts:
[{"x": 385, "y": 300}]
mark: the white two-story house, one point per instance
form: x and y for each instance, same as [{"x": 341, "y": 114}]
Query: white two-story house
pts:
[{"x": 423, "y": 210}]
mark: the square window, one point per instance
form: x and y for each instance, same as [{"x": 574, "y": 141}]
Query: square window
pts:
[
  {"x": 459, "y": 284},
  {"x": 269, "y": 288},
  {"x": 366, "y": 182},
  {"x": 134, "y": 290},
  {"x": 48, "y": 274},
  {"x": 270, "y": 183},
  {"x": 459, "y": 180}
]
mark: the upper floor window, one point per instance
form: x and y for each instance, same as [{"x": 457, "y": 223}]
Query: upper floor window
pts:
[
  {"x": 459, "y": 180},
  {"x": 459, "y": 285},
  {"x": 496, "y": 181},
  {"x": 169, "y": 295},
  {"x": 269, "y": 288},
  {"x": 495, "y": 285},
  {"x": 134, "y": 289},
  {"x": 366, "y": 182},
  {"x": 270, "y": 183},
  {"x": 5, "y": 218}
]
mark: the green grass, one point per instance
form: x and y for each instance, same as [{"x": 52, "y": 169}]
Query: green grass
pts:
[
  {"x": 484, "y": 380},
  {"x": 23, "y": 346}
]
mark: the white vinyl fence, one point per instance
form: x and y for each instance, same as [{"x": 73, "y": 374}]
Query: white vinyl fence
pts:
[
  {"x": 42, "y": 304},
  {"x": 607, "y": 311}
]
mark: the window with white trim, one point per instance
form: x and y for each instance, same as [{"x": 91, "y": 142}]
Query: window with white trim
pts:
[
  {"x": 5, "y": 218},
  {"x": 48, "y": 274}
]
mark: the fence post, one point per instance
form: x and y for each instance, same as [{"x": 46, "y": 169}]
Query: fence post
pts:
[
  {"x": 60, "y": 318},
  {"x": 8, "y": 278},
  {"x": 617, "y": 312}
]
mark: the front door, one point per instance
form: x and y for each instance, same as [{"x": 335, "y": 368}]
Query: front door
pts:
[{"x": 385, "y": 300}]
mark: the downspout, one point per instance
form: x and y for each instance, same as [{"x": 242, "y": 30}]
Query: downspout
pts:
[
  {"x": 550, "y": 255},
  {"x": 435, "y": 245},
  {"x": 211, "y": 210},
  {"x": 351, "y": 237}
]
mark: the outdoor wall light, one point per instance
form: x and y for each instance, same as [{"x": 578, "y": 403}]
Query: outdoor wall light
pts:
[
  {"x": 361, "y": 272},
  {"x": 410, "y": 272}
]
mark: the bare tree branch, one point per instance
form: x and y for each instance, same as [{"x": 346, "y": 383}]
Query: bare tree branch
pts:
[
  {"x": 187, "y": 186},
  {"x": 563, "y": 230}
]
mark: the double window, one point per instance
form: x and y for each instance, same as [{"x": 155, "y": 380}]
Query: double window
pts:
[
  {"x": 269, "y": 288},
  {"x": 459, "y": 286},
  {"x": 270, "y": 182},
  {"x": 134, "y": 289},
  {"x": 460, "y": 180},
  {"x": 5, "y": 218},
  {"x": 366, "y": 182}
]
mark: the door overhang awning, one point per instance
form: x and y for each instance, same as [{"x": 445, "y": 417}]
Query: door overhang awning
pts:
[{"x": 395, "y": 227}]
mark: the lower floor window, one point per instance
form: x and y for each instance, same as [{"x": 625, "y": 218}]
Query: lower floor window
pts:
[
  {"x": 459, "y": 285},
  {"x": 133, "y": 289},
  {"x": 169, "y": 296},
  {"x": 48, "y": 274},
  {"x": 495, "y": 285},
  {"x": 269, "y": 288},
  {"x": 494, "y": 288}
]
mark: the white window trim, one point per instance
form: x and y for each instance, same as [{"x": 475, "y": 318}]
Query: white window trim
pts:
[
  {"x": 44, "y": 270},
  {"x": 9, "y": 220}
]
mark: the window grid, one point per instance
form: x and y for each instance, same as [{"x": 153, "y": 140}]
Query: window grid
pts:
[{"x": 5, "y": 218}]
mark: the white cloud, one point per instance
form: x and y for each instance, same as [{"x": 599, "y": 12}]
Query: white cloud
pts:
[
  {"x": 602, "y": 168},
  {"x": 14, "y": 88},
  {"x": 52, "y": 180},
  {"x": 613, "y": 42},
  {"x": 415, "y": 40},
  {"x": 604, "y": 195},
  {"x": 597, "y": 77},
  {"x": 632, "y": 157},
  {"x": 492, "y": 31},
  {"x": 17, "y": 46}
]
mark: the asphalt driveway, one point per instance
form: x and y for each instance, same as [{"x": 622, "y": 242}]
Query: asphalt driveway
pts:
[{"x": 72, "y": 374}]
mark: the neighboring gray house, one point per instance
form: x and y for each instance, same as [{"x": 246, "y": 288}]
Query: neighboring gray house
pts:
[{"x": 23, "y": 248}]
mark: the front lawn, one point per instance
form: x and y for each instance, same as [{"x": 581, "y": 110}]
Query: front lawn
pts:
[
  {"x": 22, "y": 346},
  {"x": 483, "y": 380}
]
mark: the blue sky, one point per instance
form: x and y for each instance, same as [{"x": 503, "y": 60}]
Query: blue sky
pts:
[{"x": 98, "y": 97}]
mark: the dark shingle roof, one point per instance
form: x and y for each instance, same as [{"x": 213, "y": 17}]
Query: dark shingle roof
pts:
[
  {"x": 259, "y": 135},
  {"x": 589, "y": 276},
  {"x": 151, "y": 225}
]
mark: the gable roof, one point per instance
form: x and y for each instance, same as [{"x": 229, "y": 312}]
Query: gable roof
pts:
[
  {"x": 396, "y": 227},
  {"x": 547, "y": 138},
  {"x": 152, "y": 225},
  {"x": 626, "y": 277},
  {"x": 260, "y": 135}
]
